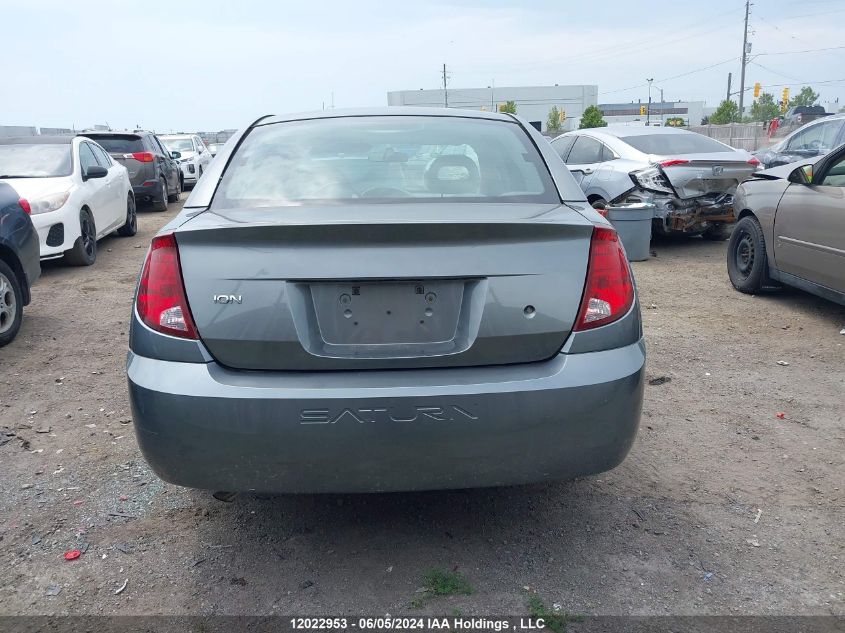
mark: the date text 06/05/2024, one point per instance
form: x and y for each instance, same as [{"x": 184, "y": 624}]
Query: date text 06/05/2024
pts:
[{"x": 387, "y": 623}]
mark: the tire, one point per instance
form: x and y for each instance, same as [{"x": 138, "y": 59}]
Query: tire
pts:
[
  {"x": 160, "y": 203},
  {"x": 131, "y": 226},
  {"x": 716, "y": 233},
  {"x": 11, "y": 304},
  {"x": 174, "y": 197},
  {"x": 599, "y": 204},
  {"x": 747, "y": 262},
  {"x": 84, "y": 251}
]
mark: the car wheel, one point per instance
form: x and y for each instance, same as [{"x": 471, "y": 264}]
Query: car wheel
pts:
[
  {"x": 175, "y": 197},
  {"x": 599, "y": 204},
  {"x": 131, "y": 226},
  {"x": 716, "y": 233},
  {"x": 84, "y": 251},
  {"x": 160, "y": 203},
  {"x": 11, "y": 304},
  {"x": 747, "y": 263}
]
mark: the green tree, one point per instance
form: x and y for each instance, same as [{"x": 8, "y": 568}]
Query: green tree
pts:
[
  {"x": 765, "y": 108},
  {"x": 592, "y": 117},
  {"x": 508, "y": 107},
  {"x": 806, "y": 97},
  {"x": 727, "y": 112},
  {"x": 553, "y": 122}
]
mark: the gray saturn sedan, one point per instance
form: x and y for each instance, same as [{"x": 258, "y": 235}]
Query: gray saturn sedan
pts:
[{"x": 385, "y": 299}]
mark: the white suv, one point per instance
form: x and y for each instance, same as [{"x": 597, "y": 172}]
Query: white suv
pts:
[{"x": 194, "y": 155}]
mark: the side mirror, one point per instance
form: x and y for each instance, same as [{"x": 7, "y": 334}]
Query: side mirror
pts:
[
  {"x": 175, "y": 155},
  {"x": 95, "y": 171},
  {"x": 802, "y": 175}
]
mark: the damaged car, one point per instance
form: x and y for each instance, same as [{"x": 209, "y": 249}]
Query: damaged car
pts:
[{"x": 689, "y": 178}]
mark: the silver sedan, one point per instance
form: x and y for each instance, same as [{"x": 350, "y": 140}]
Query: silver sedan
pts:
[
  {"x": 381, "y": 300},
  {"x": 689, "y": 178}
]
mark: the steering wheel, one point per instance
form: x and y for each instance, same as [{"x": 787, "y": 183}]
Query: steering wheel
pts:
[{"x": 385, "y": 192}]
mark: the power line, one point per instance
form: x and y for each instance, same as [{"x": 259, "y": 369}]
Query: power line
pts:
[
  {"x": 622, "y": 49},
  {"x": 809, "y": 50},
  {"x": 665, "y": 79},
  {"x": 771, "y": 70}
]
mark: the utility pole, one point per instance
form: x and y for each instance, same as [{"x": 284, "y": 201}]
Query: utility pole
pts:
[
  {"x": 648, "y": 111},
  {"x": 744, "y": 60},
  {"x": 728, "y": 96},
  {"x": 445, "y": 92}
]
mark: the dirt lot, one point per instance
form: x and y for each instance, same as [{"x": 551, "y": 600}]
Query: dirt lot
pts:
[{"x": 721, "y": 507}]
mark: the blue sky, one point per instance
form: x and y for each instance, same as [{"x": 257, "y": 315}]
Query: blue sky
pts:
[{"x": 190, "y": 65}]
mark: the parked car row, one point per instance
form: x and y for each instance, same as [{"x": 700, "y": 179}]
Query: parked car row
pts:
[
  {"x": 790, "y": 218},
  {"x": 193, "y": 156},
  {"x": 60, "y": 194}
]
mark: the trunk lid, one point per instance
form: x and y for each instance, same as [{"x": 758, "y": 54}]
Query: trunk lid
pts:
[
  {"x": 697, "y": 175},
  {"x": 407, "y": 285}
]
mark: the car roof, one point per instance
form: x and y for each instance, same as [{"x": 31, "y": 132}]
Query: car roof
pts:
[
  {"x": 37, "y": 140},
  {"x": 385, "y": 111},
  {"x": 180, "y": 135},
  {"x": 620, "y": 131},
  {"x": 111, "y": 133}
]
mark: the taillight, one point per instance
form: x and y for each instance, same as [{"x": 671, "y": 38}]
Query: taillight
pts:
[
  {"x": 672, "y": 162},
  {"x": 161, "y": 300},
  {"x": 753, "y": 161},
  {"x": 141, "y": 157},
  {"x": 609, "y": 289},
  {"x": 24, "y": 204}
]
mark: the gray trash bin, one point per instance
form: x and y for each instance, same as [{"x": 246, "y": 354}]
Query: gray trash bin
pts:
[{"x": 633, "y": 224}]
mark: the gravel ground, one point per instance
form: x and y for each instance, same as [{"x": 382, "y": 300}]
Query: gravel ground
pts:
[{"x": 721, "y": 507}]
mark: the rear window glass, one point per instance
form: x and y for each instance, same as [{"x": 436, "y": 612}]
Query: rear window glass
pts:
[
  {"x": 39, "y": 160},
  {"x": 682, "y": 143},
  {"x": 120, "y": 144},
  {"x": 385, "y": 159}
]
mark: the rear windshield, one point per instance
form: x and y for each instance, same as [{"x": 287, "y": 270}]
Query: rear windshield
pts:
[
  {"x": 120, "y": 144},
  {"x": 385, "y": 159},
  {"x": 663, "y": 144},
  {"x": 35, "y": 161}
]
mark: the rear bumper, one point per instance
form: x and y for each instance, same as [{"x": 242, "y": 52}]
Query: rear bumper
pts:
[
  {"x": 203, "y": 426},
  {"x": 677, "y": 215},
  {"x": 147, "y": 190}
]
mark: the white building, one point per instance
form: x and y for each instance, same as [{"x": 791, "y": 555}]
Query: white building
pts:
[
  {"x": 690, "y": 111},
  {"x": 532, "y": 102}
]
